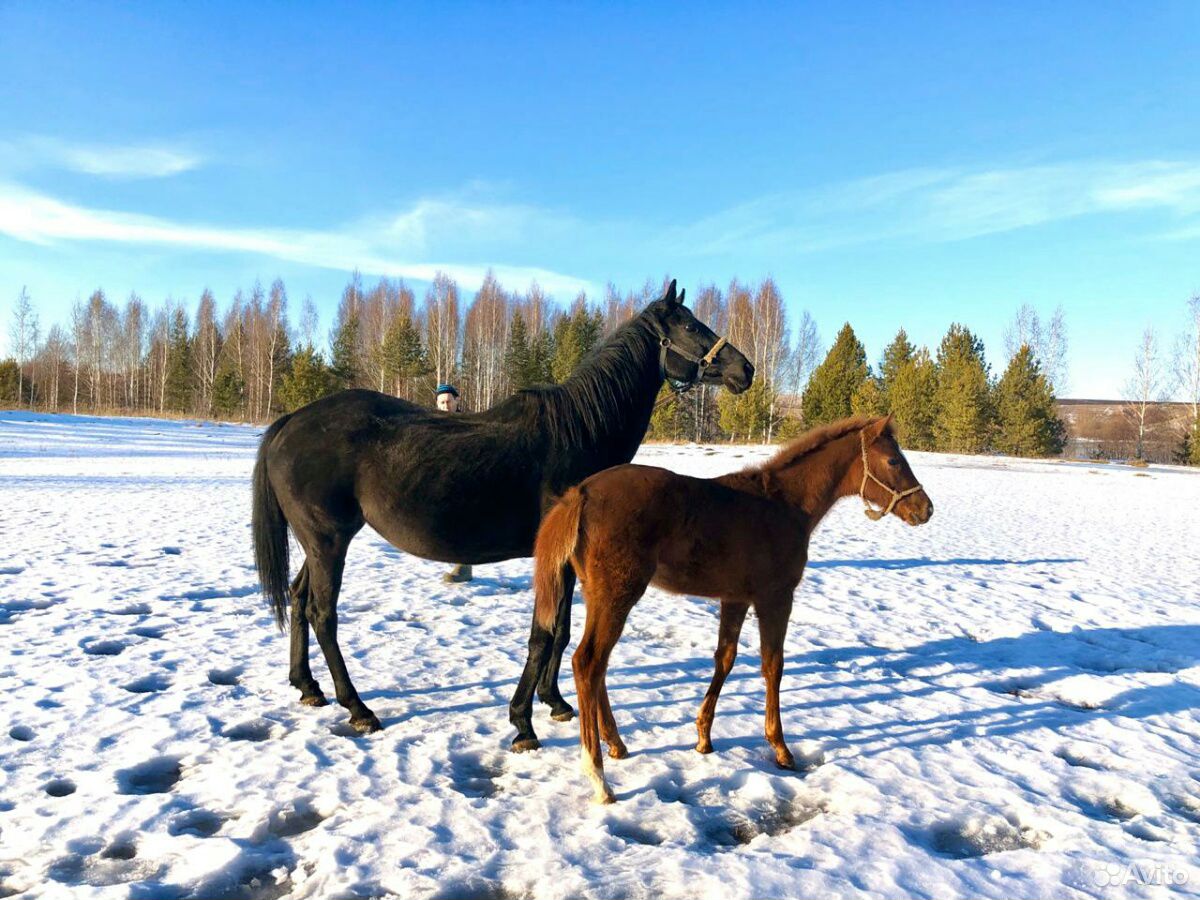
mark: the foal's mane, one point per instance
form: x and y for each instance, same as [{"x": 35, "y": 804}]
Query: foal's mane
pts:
[
  {"x": 603, "y": 391},
  {"x": 812, "y": 440}
]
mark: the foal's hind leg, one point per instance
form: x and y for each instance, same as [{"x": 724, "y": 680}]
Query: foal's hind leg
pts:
[
  {"x": 325, "y": 580},
  {"x": 732, "y": 617},
  {"x": 773, "y": 618},
  {"x": 606, "y": 614},
  {"x": 300, "y": 675}
]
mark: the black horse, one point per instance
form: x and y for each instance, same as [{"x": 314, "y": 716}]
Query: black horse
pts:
[{"x": 460, "y": 488}]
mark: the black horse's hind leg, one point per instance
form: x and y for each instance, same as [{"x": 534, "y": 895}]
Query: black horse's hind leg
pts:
[
  {"x": 300, "y": 675},
  {"x": 324, "y": 582},
  {"x": 520, "y": 708},
  {"x": 548, "y": 693},
  {"x": 538, "y": 660}
]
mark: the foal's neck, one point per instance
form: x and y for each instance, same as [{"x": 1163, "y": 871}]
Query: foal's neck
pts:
[{"x": 814, "y": 482}]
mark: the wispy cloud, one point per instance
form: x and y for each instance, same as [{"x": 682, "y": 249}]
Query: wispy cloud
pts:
[
  {"x": 937, "y": 205},
  {"x": 124, "y": 161},
  {"x": 374, "y": 247}
]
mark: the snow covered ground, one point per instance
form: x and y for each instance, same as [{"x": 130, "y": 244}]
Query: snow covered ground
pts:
[{"x": 1003, "y": 702}]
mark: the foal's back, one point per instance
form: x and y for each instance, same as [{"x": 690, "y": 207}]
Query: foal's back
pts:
[{"x": 690, "y": 535}]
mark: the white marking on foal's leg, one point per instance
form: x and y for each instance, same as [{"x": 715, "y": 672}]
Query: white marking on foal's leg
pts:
[{"x": 601, "y": 792}]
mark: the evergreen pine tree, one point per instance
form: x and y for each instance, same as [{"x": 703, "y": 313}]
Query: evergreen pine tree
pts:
[
  {"x": 541, "y": 357},
  {"x": 1190, "y": 452},
  {"x": 228, "y": 389},
  {"x": 574, "y": 335},
  {"x": 745, "y": 416},
  {"x": 963, "y": 396},
  {"x": 869, "y": 399},
  {"x": 10, "y": 382},
  {"x": 403, "y": 353},
  {"x": 912, "y": 401},
  {"x": 307, "y": 379},
  {"x": 834, "y": 381},
  {"x": 518, "y": 356},
  {"x": 1027, "y": 423},
  {"x": 898, "y": 354},
  {"x": 179, "y": 386},
  {"x": 345, "y": 363}
]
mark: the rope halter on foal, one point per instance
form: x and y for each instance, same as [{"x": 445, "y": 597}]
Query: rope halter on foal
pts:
[
  {"x": 876, "y": 514},
  {"x": 702, "y": 362}
]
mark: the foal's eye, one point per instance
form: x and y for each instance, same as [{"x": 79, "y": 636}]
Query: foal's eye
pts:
[{"x": 894, "y": 461}]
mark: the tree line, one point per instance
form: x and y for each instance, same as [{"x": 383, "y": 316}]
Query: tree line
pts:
[{"x": 253, "y": 361}]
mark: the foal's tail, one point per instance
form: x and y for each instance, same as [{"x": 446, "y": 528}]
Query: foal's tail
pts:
[
  {"x": 270, "y": 532},
  {"x": 556, "y": 540}
]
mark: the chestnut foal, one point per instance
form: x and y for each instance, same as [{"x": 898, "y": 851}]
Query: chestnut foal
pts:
[{"x": 741, "y": 538}]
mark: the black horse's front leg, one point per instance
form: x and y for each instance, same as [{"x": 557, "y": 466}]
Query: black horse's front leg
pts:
[{"x": 548, "y": 693}]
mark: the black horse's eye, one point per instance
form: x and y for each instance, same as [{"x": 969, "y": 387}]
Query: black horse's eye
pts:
[{"x": 689, "y": 327}]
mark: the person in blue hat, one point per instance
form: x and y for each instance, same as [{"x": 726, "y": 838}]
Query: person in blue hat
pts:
[{"x": 447, "y": 401}]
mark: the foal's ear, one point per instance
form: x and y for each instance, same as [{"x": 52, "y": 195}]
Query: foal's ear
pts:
[{"x": 877, "y": 427}]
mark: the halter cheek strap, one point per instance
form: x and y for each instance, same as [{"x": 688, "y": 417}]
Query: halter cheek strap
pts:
[
  {"x": 702, "y": 362},
  {"x": 872, "y": 513}
]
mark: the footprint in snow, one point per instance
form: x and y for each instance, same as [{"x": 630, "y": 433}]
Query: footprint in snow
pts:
[
  {"x": 225, "y": 677},
  {"x": 255, "y": 730},
  {"x": 978, "y": 836},
  {"x": 196, "y": 822},
  {"x": 148, "y": 684},
  {"x": 60, "y": 787},
  {"x": 155, "y": 776},
  {"x": 21, "y": 733},
  {"x": 103, "y": 648}
]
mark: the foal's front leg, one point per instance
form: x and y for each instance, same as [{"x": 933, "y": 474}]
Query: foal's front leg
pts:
[{"x": 773, "y": 615}]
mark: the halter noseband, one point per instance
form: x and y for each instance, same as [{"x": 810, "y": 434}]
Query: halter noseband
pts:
[
  {"x": 876, "y": 514},
  {"x": 702, "y": 362}
]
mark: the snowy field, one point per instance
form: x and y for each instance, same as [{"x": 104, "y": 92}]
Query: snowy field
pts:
[{"x": 1002, "y": 703}]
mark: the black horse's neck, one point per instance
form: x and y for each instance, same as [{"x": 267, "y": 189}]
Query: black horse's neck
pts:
[{"x": 598, "y": 417}]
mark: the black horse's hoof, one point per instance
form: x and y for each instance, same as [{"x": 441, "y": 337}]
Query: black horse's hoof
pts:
[
  {"x": 368, "y": 724},
  {"x": 523, "y": 742},
  {"x": 565, "y": 713},
  {"x": 314, "y": 700}
]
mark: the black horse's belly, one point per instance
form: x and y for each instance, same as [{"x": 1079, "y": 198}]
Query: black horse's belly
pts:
[{"x": 464, "y": 497}]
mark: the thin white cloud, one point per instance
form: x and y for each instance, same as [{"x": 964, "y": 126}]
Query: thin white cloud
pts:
[
  {"x": 123, "y": 161},
  {"x": 937, "y": 205},
  {"x": 32, "y": 217}
]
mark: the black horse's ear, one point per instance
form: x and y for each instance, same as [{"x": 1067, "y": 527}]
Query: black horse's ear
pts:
[
  {"x": 669, "y": 297},
  {"x": 682, "y": 294}
]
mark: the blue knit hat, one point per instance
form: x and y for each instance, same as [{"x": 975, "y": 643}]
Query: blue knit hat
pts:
[{"x": 446, "y": 389}]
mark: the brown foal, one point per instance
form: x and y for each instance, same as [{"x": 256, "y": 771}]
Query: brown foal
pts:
[{"x": 741, "y": 538}]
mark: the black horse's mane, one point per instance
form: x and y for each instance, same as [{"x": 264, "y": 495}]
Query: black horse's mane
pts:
[{"x": 602, "y": 394}]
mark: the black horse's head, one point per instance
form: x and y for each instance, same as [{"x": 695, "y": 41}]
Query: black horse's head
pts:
[{"x": 691, "y": 352}]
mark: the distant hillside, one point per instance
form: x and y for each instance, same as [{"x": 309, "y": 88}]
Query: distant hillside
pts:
[{"x": 1101, "y": 429}]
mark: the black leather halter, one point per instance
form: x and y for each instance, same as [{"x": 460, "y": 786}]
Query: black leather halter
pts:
[{"x": 702, "y": 362}]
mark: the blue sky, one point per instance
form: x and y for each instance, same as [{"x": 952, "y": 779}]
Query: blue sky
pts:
[{"x": 891, "y": 164}]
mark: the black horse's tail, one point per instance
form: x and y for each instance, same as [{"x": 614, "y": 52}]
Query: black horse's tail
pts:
[{"x": 270, "y": 532}]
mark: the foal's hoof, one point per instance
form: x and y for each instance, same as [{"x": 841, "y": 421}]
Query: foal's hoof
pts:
[
  {"x": 617, "y": 750},
  {"x": 314, "y": 700},
  {"x": 785, "y": 762},
  {"x": 368, "y": 724},
  {"x": 523, "y": 742},
  {"x": 703, "y": 746}
]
